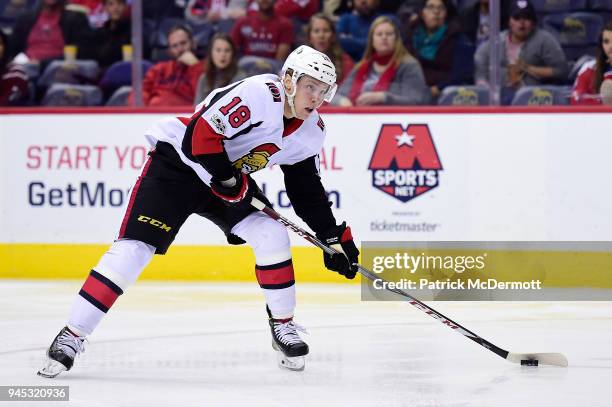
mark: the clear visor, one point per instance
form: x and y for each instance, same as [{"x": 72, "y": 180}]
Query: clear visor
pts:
[{"x": 318, "y": 89}]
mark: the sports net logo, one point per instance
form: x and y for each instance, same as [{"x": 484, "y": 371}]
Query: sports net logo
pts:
[{"x": 405, "y": 163}]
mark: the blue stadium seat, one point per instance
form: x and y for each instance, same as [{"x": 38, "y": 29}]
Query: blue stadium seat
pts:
[
  {"x": 74, "y": 72},
  {"x": 605, "y": 5},
  {"x": 120, "y": 74},
  {"x": 224, "y": 26},
  {"x": 542, "y": 96},
  {"x": 120, "y": 97},
  {"x": 11, "y": 9},
  {"x": 574, "y": 28},
  {"x": 202, "y": 34},
  {"x": 253, "y": 65},
  {"x": 558, "y": 6},
  {"x": 464, "y": 96},
  {"x": 62, "y": 94},
  {"x": 576, "y": 32}
]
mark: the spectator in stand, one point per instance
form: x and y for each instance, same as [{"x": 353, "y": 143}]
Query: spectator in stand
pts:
[
  {"x": 116, "y": 32},
  {"x": 335, "y": 8},
  {"x": 353, "y": 27},
  {"x": 301, "y": 10},
  {"x": 94, "y": 9},
  {"x": 221, "y": 67},
  {"x": 387, "y": 74},
  {"x": 529, "y": 56},
  {"x": 42, "y": 33},
  {"x": 588, "y": 85},
  {"x": 475, "y": 20},
  {"x": 264, "y": 34},
  {"x": 433, "y": 39},
  {"x": 173, "y": 83},
  {"x": 13, "y": 79},
  {"x": 321, "y": 35},
  {"x": 213, "y": 11}
]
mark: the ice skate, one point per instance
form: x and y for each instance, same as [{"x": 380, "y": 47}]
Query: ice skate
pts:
[
  {"x": 290, "y": 348},
  {"x": 62, "y": 352}
]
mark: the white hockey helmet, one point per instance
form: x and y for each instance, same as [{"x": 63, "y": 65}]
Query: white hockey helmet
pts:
[{"x": 305, "y": 60}]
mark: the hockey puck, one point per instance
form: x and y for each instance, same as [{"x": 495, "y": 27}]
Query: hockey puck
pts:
[{"x": 529, "y": 362}]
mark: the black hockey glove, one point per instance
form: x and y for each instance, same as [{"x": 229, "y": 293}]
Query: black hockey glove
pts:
[
  {"x": 238, "y": 195},
  {"x": 340, "y": 238}
]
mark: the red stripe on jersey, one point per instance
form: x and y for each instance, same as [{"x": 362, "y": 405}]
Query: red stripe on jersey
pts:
[
  {"x": 204, "y": 140},
  {"x": 100, "y": 291},
  {"x": 184, "y": 120},
  {"x": 292, "y": 126},
  {"x": 346, "y": 235},
  {"x": 128, "y": 211},
  {"x": 273, "y": 276}
]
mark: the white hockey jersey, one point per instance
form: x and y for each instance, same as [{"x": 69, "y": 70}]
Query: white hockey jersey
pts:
[{"x": 246, "y": 120}]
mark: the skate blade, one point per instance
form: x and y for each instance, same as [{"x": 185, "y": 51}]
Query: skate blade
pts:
[
  {"x": 51, "y": 369},
  {"x": 296, "y": 364}
]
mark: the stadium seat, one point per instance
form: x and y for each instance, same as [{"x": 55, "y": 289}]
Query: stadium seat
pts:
[
  {"x": 542, "y": 96},
  {"x": 574, "y": 28},
  {"x": 120, "y": 97},
  {"x": 575, "y": 66},
  {"x": 74, "y": 72},
  {"x": 605, "y": 5},
  {"x": 253, "y": 65},
  {"x": 224, "y": 26},
  {"x": 558, "y": 6},
  {"x": 201, "y": 35},
  {"x": 576, "y": 32},
  {"x": 464, "y": 96},
  {"x": 120, "y": 74},
  {"x": 61, "y": 94},
  {"x": 32, "y": 70},
  {"x": 11, "y": 9}
]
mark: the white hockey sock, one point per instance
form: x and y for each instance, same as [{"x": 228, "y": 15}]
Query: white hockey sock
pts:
[
  {"x": 118, "y": 268},
  {"x": 274, "y": 268}
]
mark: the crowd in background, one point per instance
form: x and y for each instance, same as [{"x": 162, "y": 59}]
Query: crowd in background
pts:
[{"x": 412, "y": 52}]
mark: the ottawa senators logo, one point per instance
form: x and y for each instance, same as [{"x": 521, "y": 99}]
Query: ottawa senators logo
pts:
[
  {"x": 405, "y": 163},
  {"x": 256, "y": 159}
]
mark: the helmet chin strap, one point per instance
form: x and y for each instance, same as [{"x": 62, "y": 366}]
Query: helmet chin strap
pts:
[{"x": 291, "y": 96}]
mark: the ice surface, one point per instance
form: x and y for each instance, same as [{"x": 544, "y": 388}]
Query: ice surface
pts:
[{"x": 207, "y": 344}]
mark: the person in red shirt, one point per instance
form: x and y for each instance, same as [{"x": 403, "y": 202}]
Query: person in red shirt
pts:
[
  {"x": 300, "y": 9},
  {"x": 42, "y": 34},
  {"x": 263, "y": 34},
  {"x": 173, "y": 83},
  {"x": 13, "y": 79},
  {"x": 588, "y": 85}
]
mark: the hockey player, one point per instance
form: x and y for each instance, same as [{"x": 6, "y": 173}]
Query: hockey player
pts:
[{"x": 201, "y": 165}]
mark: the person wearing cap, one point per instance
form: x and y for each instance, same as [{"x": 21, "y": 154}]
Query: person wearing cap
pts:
[{"x": 529, "y": 56}]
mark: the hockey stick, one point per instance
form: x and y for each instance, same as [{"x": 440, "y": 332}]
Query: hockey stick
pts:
[{"x": 528, "y": 359}]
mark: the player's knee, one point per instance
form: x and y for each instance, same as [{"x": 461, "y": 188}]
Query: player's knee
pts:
[
  {"x": 268, "y": 238},
  {"x": 124, "y": 261}
]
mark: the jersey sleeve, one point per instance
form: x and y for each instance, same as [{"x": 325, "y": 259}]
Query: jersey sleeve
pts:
[
  {"x": 307, "y": 194},
  {"x": 225, "y": 114}
]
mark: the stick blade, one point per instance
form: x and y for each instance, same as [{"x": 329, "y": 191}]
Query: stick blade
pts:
[{"x": 552, "y": 359}]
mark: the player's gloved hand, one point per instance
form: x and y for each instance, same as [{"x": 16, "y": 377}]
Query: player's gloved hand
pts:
[
  {"x": 340, "y": 238},
  {"x": 236, "y": 192}
]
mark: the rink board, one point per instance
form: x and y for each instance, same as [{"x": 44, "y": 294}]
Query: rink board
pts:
[{"x": 468, "y": 175}]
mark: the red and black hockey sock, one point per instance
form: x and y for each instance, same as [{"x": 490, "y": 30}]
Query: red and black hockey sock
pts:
[
  {"x": 275, "y": 276},
  {"x": 100, "y": 291}
]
